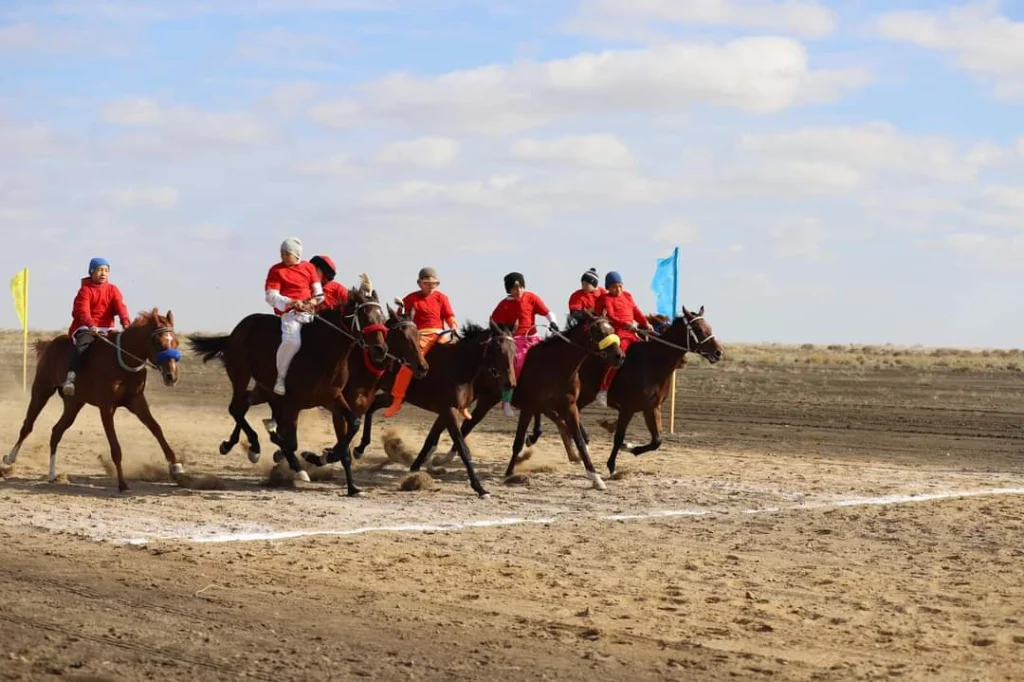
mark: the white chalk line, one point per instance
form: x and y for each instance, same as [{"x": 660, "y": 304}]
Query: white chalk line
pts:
[{"x": 486, "y": 523}]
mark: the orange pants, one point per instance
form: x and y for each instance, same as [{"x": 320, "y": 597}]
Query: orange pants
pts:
[{"x": 428, "y": 337}]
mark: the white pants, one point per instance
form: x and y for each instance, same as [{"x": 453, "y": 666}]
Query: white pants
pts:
[{"x": 291, "y": 339}]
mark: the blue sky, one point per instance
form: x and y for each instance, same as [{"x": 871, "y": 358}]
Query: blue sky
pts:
[{"x": 833, "y": 172}]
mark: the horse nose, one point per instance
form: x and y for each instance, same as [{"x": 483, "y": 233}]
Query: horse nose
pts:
[{"x": 719, "y": 353}]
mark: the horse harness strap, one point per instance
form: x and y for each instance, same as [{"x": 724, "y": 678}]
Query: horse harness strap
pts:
[
  {"x": 121, "y": 352},
  {"x": 690, "y": 335}
]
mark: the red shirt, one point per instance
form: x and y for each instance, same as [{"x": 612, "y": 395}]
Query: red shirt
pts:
[
  {"x": 430, "y": 311},
  {"x": 294, "y": 282},
  {"x": 520, "y": 312},
  {"x": 96, "y": 305},
  {"x": 621, "y": 310},
  {"x": 335, "y": 296},
  {"x": 585, "y": 300}
]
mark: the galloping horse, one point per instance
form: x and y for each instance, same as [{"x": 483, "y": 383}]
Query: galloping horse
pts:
[
  {"x": 113, "y": 375},
  {"x": 317, "y": 373},
  {"x": 549, "y": 384},
  {"x": 645, "y": 379},
  {"x": 365, "y": 380},
  {"x": 448, "y": 388}
]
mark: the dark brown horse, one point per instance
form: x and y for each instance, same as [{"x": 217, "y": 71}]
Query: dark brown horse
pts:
[
  {"x": 448, "y": 388},
  {"x": 549, "y": 384},
  {"x": 316, "y": 376},
  {"x": 645, "y": 379},
  {"x": 113, "y": 375}
]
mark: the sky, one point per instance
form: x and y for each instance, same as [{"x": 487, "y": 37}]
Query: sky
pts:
[{"x": 841, "y": 172}]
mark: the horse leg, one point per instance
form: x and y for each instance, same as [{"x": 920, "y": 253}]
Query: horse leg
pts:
[
  {"x": 107, "y": 417},
  {"x": 344, "y": 432},
  {"x": 289, "y": 425},
  {"x": 566, "y": 436},
  {"x": 139, "y": 406},
  {"x": 41, "y": 393},
  {"x": 71, "y": 409},
  {"x": 484, "y": 404},
  {"x": 652, "y": 416},
  {"x": 517, "y": 444},
  {"x": 429, "y": 444},
  {"x": 380, "y": 401},
  {"x": 532, "y": 439},
  {"x": 573, "y": 422},
  {"x": 460, "y": 442},
  {"x": 619, "y": 438}
]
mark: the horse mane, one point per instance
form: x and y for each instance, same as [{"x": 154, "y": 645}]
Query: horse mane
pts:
[
  {"x": 574, "y": 320},
  {"x": 471, "y": 331},
  {"x": 147, "y": 317}
]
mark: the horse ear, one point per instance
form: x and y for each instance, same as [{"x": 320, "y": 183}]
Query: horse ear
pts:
[
  {"x": 686, "y": 313},
  {"x": 701, "y": 311},
  {"x": 391, "y": 312},
  {"x": 170, "y": 318}
]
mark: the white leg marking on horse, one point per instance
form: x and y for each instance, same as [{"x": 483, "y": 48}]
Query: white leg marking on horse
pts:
[
  {"x": 302, "y": 476},
  {"x": 12, "y": 456},
  {"x": 597, "y": 480},
  {"x": 177, "y": 469},
  {"x": 53, "y": 467}
]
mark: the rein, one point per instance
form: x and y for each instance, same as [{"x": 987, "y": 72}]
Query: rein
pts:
[
  {"x": 164, "y": 355},
  {"x": 691, "y": 335}
]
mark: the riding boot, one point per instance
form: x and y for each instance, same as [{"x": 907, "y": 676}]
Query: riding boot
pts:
[
  {"x": 401, "y": 384},
  {"x": 82, "y": 344}
]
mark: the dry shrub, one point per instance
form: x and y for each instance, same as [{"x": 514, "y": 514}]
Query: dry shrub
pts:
[{"x": 417, "y": 480}]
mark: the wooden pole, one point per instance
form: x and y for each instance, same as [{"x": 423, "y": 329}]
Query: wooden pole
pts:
[
  {"x": 24, "y": 336},
  {"x": 672, "y": 406}
]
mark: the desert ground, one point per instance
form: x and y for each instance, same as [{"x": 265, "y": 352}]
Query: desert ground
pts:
[{"x": 821, "y": 513}]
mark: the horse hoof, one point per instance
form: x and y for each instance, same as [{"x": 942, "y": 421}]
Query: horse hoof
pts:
[
  {"x": 311, "y": 457},
  {"x": 484, "y": 495},
  {"x": 356, "y": 492},
  {"x": 278, "y": 456},
  {"x": 254, "y": 456},
  {"x": 596, "y": 479},
  {"x": 225, "y": 448},
  {"x": 177, "y": 469},
  {"x": 358, "y": 452},
  {"x": 302, "y": 476},
  {"x": 8, "y": 461}
]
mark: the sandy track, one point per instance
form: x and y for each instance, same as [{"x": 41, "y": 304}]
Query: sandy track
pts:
[{"x": 776, "y": 537}]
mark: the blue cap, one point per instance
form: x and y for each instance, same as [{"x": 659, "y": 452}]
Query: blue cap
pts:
[
  {"x": 97, "y": 262},
  {"x": 612, "y": 278}
]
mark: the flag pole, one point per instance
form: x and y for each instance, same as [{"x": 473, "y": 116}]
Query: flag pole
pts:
[
  {"x": 675, "y": 310},
  {"x": 24, "y": 336}
]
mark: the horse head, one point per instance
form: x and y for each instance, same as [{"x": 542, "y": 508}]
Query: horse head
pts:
[
  {"x": 368, "y": 320},
  {"x": 600, "y": 337},
  {"x": 699, "y": 338},
  {"x": 163, "y": 347},
  {"x": 500, "y": 355},
  {"x": 404, "y": 338}
]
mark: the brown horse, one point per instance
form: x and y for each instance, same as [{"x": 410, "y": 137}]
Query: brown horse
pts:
[
  {"x": 549, "y": 384},
  {"x": 316, "y": 376},
  {"x": 113, "y": 375},
  {"x": 448, "y": 388},
  {"x": 645, "y": 379}
]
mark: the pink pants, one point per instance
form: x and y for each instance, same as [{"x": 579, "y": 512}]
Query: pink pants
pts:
[{"x": 524, "y": 344}]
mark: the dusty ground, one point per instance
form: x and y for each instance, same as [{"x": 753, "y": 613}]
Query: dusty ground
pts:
[{"x": 812, "y": 520}]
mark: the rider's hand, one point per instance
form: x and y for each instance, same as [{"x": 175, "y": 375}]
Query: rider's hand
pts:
[{"x": 553, "y": 326}]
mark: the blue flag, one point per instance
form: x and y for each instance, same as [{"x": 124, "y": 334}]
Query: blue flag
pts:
[{"x": 666, "y": 285}]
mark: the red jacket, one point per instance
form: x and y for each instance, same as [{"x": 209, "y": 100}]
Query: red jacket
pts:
[
  {"x": 622, "y": 311},
  {"x": 429, "y": 312},
  {"x": 520, "y": 312},
  {"x": 584, "y": 300},
  {"x": 335, "y": 296},
  {"x": 294, "y": 282},
  {"x": 96, "y": 305}
]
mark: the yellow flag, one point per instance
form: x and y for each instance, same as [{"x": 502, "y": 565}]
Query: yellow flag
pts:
[{"x": 19, "y": 289}]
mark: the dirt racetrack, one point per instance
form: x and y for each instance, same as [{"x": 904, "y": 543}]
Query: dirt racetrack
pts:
[{"x": 820, "y": 515}]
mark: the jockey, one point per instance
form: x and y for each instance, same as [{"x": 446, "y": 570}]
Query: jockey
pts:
[
  {"x": 519, "y": 309},
  {"x": 335, "y": 293},
  {"x": 624, "y": 314},
  {"x": 430, "y": 310},
  {"x": 97, "y": 303},
  {"x": 586, "y": 296},
  {"x": 293, "y": 290}
]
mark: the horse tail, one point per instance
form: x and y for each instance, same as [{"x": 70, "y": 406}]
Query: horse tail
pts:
[
  {"x": 209, "y": 347},
  {"x": 41, "y": 346}
]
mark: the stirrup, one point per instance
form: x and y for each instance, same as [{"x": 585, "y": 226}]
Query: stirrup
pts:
[{"x": 68, "y": 388}]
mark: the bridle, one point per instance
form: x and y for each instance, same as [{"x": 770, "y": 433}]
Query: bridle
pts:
[
  {"x": 164, "y": 356},
  {"x": 693, "y": 342}
]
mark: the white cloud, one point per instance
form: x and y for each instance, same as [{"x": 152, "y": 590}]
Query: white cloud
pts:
[
  {"x": 282, "y": 48},
  {"x": 761, "y": 75},
  {"x": 333, "y": 165},
  {"x": 147, "y": 197},
  {"x": 614, "y": 17},
  {"x": 802, "y": 240},
  {"x": 423, "y": 152},
  {"x": 186, "y": 124},
  {"x": 981, "y": 39},
  {"x": 676, "y": 234},
  {"x": 842, "y": 155},
  {"x": 1011, "y": 198},
  {"x": 601, "y": 151}
]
